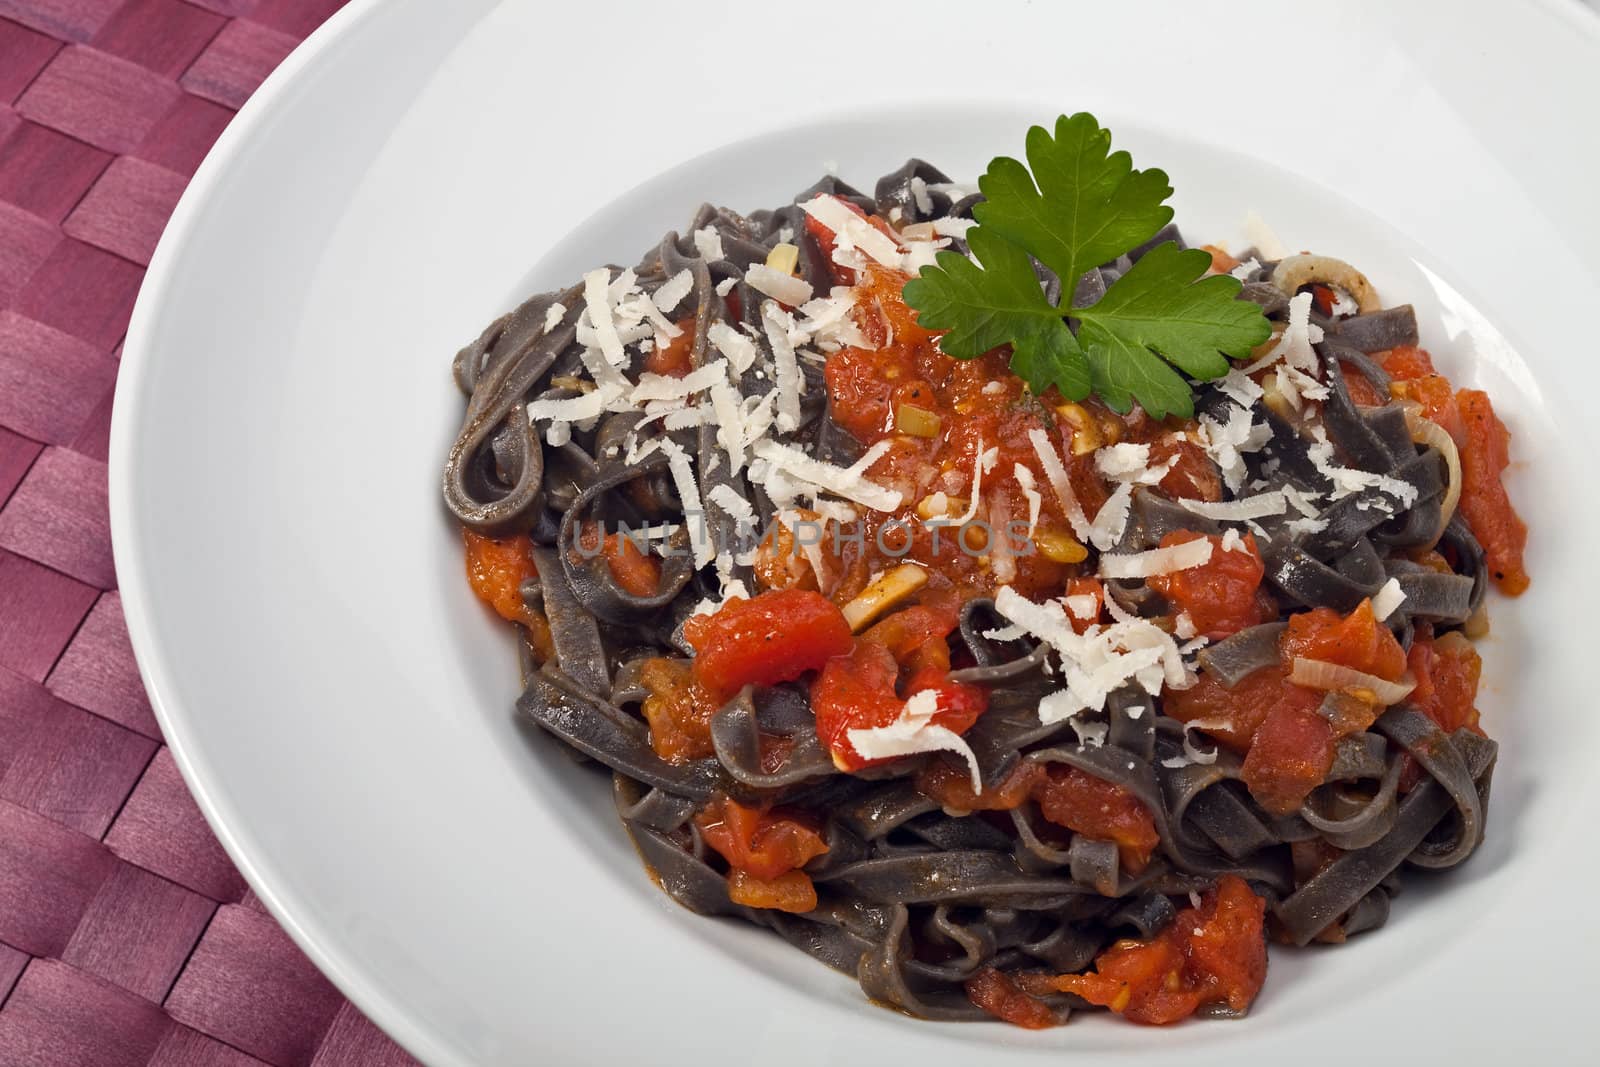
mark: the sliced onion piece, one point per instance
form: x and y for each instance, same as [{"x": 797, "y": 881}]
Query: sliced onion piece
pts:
[
  {"x": 1335, "y": 677},
  {"x": 1293, "y": 272},
  {"x": 1428, "y": 432}
]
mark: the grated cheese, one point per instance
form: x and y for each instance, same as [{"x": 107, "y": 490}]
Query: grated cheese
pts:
[
  {"x": 688, "y": 494},
  {"x": 1056, "y": 475},
  {"x": 673, "y": 290},
  {"x": 1245, "y": 269},
  {"x": 1111, "y": 522},
  {"x": 708, "y": 242},
  {"x": 654, "y": 387},
  {"x": 782, "y": 287},
  {"x": 1024, "y": 478},
  {"x": 913, "y": 731},
  {"x": 854, "y": 230},
  {"x": 553, "y": 316},
  {"x": 735, "y": 347},
  {"x": 1387, "y": 599},
  {"x": 1156, "y": 560},
  {"x": 820, "y": 477},
  {"x": 789, "y": 382},
  {"x": 1347, "y": 480},
  {"x": 1250, "y": 507}
]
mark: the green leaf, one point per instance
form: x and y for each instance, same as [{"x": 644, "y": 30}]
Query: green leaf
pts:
[
  {"x": 1165, "y": 305},
  {"x": 1089, "y": 205},
  {"x": 1082, "y": 205},
  {"x": 999, "y": 303},
  {"x": 1124, "y": 371},
  {"x": 1051, "y": 356}
]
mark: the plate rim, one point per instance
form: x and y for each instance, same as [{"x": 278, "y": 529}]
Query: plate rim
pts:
[{"x": 133, "y": 582}]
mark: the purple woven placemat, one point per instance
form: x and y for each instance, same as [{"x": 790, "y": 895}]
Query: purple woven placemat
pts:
[{"x": 127, "y": 939}]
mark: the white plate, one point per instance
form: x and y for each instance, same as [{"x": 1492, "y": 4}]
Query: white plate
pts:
[{"x": 341, "y": 706}]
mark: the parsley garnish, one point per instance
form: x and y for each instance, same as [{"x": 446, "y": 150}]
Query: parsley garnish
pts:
[{"x": 1084, "y": 205}]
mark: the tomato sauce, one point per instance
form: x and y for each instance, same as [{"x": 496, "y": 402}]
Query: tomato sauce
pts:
[
  {"x": 1221, "y": 596},
  {"x": 1483, "y": 441},
  {"x": 1215, "y": 953}
]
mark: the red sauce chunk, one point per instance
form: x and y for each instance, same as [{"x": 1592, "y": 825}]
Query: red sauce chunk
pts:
[
  {"x": 1468, "y": 416},
  {"x": 1494, "y": 522},
  {"x": 763, "y": 844},
  {"x": 1220, "y": 595},
  {"x": 775, "y": 637},
  {"x": 1357, "y": 640},
  {"x": 1447, "y": 672},
  {"x": 1290, "y": 755},
  {"x": 496, "y": 569},
  {"x": 1212, "y": 954},
  {"x": 678, "y": 710},
  {"x": 995, "y": 992},
  {"x": 1100, "y": 809},
  {"x": 862, "y": 690},
  {"x": 1288, "y": 747}
]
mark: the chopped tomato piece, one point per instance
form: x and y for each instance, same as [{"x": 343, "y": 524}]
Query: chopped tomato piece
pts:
[
  {"x": 994, "y": 991},
  {"x": 1193, "y": 476},
  {"x": 1361, "y": 390},
  {"x": 1213, "y": 954},
  {"x": 678, "y": 710},
  {"x": 1289, "y": 756},
  {"x": 855, "y": 692},
  {"x": 1223, "y": 942},
  {"x": 951, "y": 786},
  {"x": 776, "y": 637},
  {"x": 1322, "y": 296},
  {"x": 673, "y": 359},
  {"x": 1488, "y": 511},
  {"x": 1447, "y": 672},
  {"x": 1081, "y": 587},
  {"x": 1234, "y": 715},
  {"x": 858, "y": 692},
  {"x": 1220, "y": 594},
  {"x": 826, "y": 239},
  {"x": 1438, "y": 399},
  {"x": 1357, "y": 640},
  {"x": 763, "y": 844},
  {"x": 635, "y": 571},
  {"x": 496, "y": 569},
  {"x": 1407, "y": 362},
  {"x": 792, "y": 891},
  {"x": 1221, "y": 261},
  {"x": 1100, "y": 809}
]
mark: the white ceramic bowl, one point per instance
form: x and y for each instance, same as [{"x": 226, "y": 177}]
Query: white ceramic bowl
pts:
[{"x": 340, "y": 704}]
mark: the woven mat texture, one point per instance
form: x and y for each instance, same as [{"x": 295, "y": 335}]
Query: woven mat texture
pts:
[{"x": 127, "y": 939}]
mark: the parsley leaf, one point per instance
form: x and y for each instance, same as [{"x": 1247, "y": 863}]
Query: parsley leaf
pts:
[
  {"x": 1165, "y": 305},
  {"x": 1090, "y": 205},
  {"x": 1000, "y": 304},
  {"x": 1083, "y": 205}
]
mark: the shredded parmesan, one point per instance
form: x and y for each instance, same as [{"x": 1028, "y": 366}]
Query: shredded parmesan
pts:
[
  {"x": 1250, "y": 507},
  {"x": 1157, "y": 560},
  {"x": 789, "y": 382},
  {"x": 1056, "y": 475},
  {"x": 782, "y": 287},
  {"x": 825, "y": 477},
  {"x": 853, "y": 229},
  {"x": 673, "y": 290},
  {"x": 1024, "y": 478},
  {"x": 688, "y": 494},
  {"x": 1387, "y": 599},
  {"x": 914, "y": 731},
  {"x": 708, "y": 242}
]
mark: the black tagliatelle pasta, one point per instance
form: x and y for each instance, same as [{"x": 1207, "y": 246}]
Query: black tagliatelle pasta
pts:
[{"x": 1215, "y": 666}]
